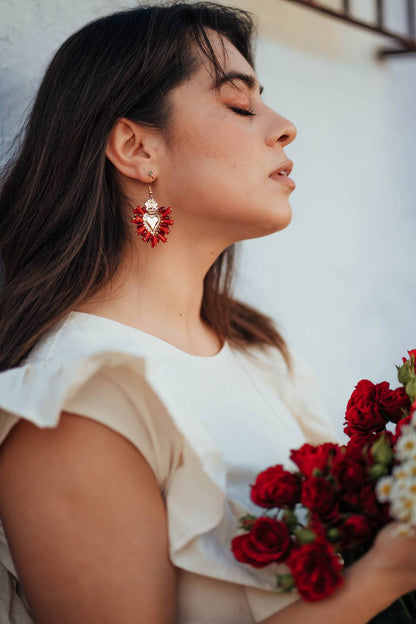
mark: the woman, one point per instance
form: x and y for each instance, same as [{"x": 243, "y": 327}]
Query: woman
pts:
[{"x": 139, "y": 399}]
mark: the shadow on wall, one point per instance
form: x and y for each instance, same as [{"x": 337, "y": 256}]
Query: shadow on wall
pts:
[{"x": 312, "y": 32}]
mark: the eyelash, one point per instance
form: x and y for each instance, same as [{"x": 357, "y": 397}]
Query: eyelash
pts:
[{"x": 242, "y": 111}]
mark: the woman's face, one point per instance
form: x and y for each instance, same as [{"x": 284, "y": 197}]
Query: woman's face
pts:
[{"x": 224, "y": 145}]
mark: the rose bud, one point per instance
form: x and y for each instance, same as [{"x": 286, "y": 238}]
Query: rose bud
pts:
[
  {"x": 305, "y": 536},
  {"x": 411, "y": 389},
  {"x": 381, "y": 451},
  {"x": 378, "y": 470},
  {"x": 333, "y": 534},
  {"x": 404, "y": 373}
]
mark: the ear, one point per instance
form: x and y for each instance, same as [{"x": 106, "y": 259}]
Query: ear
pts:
[{"x": 132, "y": 149}]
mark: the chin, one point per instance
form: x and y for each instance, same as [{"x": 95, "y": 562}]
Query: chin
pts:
[
  {"x": 277, "y": 221},
  {"x": 271, "y": 228},
  {"x": 265, "y": 222}
]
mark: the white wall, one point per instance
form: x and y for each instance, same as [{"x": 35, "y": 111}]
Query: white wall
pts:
[{"x": 340, "y": 280}]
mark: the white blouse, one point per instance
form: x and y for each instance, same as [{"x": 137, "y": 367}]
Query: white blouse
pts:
[{"x": 206, "y": 426}]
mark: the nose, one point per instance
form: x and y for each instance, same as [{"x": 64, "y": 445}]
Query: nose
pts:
[{"x": 281, "y": 131}]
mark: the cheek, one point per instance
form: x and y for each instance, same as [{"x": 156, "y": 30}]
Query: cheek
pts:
[{"x": 212, "y": 142}]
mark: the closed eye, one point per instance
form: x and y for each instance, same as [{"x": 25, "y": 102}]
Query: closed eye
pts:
[{"x": 242, "y": 111}]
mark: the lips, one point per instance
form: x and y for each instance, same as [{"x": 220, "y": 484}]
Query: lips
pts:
[
  {"x": 286, "y": 167},
  {"x": 281, "y": 179}
]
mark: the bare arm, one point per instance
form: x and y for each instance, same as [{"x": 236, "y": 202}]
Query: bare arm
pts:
[{"x": 86, "y": 525}]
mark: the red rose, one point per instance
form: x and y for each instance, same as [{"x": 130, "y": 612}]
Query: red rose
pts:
[
  {"x": 350, "y": 469},
  {"x": 350, "y": 500},
  {"x": 308, "y": 458},
  {"x": 276, "y": 487},
  {"x": 364, "y": 410},
  {"x": 402, "y": 423},
  {"x": 318, "y": 495},
  {"x": 356, "y": 529},
  {"x": 367, "y": 439},
  {"x": 395, "y": 403},
  {"x": 317, "y": 527},
  {"x": 363, "y": 390},
  {"x": 269, "y": 540},
  {"x": 368, "y": 501},
  {"x": 316, "y": 570},
  {"x": 412, "y": 353}
]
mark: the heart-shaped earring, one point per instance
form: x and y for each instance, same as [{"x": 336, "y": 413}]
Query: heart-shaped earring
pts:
[{"x": 153, "y": 223}]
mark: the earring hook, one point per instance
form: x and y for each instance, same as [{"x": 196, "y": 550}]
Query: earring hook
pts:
[{"x": 152, "y": 175}]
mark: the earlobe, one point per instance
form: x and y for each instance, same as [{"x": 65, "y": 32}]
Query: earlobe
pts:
[{"x": 127, "y": 149}]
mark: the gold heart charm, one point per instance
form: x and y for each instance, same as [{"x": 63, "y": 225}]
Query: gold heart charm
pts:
[{"x": 151, "y": 222}]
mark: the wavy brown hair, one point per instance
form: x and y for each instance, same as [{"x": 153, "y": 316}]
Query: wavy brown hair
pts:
[{"x": 63, "y": 232}]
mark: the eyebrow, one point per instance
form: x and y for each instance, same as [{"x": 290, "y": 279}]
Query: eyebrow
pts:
[{"x": 230, "y": 77}]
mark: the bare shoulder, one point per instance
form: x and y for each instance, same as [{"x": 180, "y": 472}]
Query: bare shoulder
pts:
[{"x": 86, "y": 525}]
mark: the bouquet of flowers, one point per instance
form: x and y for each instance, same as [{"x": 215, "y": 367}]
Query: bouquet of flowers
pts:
[{"x": 326, "y": 514}]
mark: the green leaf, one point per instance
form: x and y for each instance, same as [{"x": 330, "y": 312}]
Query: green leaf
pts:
[
  {"x": 246, "y": 522},
  {"x": 411, "y": 388},
  {"x": 377, "y": 471},
  {"x": 333, "y": 534},
  {"x": 290, "y": 519},
  {"x": 317, "y": 472},
  {"x": 285, "y": 583},
  {"x": 405, "y": 373},
  {"x": 381, "y": 451},
  {"x": 305, "y": 536}
]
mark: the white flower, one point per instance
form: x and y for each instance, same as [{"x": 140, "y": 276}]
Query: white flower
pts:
[
  {"x": 404, "y": 489},
  {"x": 406, "y": 445},
  {"x": 401, "y": 508},
  {"x": 406, "y": 429},
  {"x": 404, "y": 530},
  {"x": 384, "y": 488},
  {"x": 410, "y": 467},
  {"x": 401, "y": 472}
]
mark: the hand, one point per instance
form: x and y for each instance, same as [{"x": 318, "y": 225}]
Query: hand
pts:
[{"x": 393, "y": 558}]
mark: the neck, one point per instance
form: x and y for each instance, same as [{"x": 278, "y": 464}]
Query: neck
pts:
[{"x": 159, "y": 290}]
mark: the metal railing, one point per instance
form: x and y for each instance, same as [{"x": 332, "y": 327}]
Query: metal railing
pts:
[{"x": 406, "y": 41}]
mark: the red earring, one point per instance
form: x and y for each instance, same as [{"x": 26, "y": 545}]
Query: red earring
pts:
[{"x": 152, "y": 222}]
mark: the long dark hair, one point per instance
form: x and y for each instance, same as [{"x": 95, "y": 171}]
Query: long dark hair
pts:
[{"x": 63, "y": 233}]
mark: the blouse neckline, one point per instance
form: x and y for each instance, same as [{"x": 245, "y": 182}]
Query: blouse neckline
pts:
[{"x": 133, "y": 331}]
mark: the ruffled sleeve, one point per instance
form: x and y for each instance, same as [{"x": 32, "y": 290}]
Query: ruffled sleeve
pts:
[
  {"x": 94, "y": 387},
  {"x": 124, "y": 392}
]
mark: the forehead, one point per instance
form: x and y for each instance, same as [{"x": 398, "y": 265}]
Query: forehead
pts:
[
  {"x": 229, "y": 58},
  {"x": 227, "y": 53}
]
